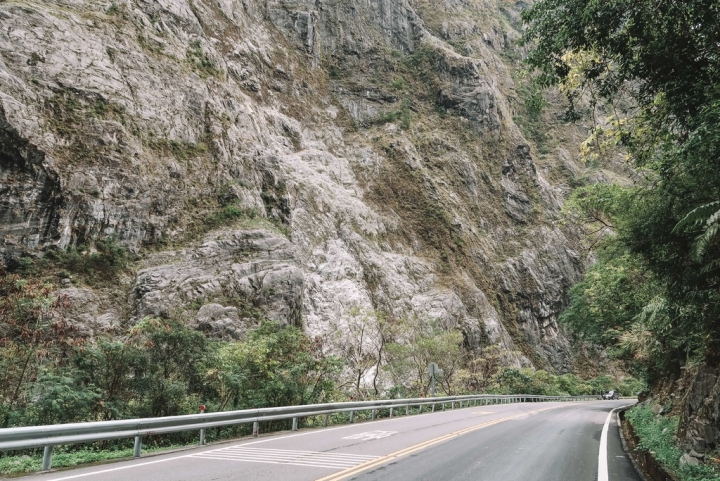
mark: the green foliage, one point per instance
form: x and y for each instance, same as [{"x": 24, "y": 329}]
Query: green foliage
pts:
[
  {"x": 72, "y": 115},
  {"x": 107, "y": 261},
  {"x": 161, "y": 368},
  {"x": 530, "y": 381},
  {"x": 708, "y": 217},
  {"x": 421, "y": 341},
  {"x": 656, "y": 66},
  {"x": 421, "y": 59},
  {"x": 669, "y": 48},
  {"x": 657, "y": 435},
  {"x": 200, "y": 61},
  {"x": 398, "y": 83},
  {"x": 63, "y": 459},
  {"x": 276, "y": 366},
  {"x": 37, "y": 345},
  {"x": 230, "y": 213},
  {"x": 57, "y": 399},
  {"x": 605, "y": 304},
  {"x": 403, "y": 115},
  {"x": 535, "y": 102},
  {"x": 150, "y": 45}
]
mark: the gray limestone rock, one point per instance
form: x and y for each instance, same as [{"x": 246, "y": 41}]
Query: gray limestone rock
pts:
[
  {"x": 145, "y": 122},
  {"x": 219, "y": 321},
  {"x": 90, "y": 311},
  {"x": 254, "y": 269}
]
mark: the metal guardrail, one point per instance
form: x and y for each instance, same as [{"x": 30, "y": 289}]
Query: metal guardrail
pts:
[{"x": 49, "y": 436}]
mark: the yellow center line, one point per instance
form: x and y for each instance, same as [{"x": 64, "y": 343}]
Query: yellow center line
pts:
[{"x": 346, "y": 473}]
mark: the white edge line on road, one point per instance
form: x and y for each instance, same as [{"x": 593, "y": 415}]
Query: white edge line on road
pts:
[{"x": 602, "y": 454}]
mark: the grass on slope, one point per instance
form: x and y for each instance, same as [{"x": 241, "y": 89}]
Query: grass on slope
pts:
[
  {"x": 657, "y": 435},
  {"x": 28, "y": 464}
]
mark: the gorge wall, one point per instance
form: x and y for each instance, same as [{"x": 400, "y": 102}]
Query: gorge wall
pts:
[{"x": 291, "y": 159}]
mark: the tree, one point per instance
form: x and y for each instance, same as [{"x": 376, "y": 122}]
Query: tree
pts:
[
  {"x": 655, "y": 67},
  {"x": 362, "y": 340},
  {"x": 421, "y": 342},
  {"x": 34, "y": 337},
  {"x": 276, "y": 366}
]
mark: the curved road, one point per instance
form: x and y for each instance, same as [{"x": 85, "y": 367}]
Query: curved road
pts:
[{"x": 508, "y": 442}]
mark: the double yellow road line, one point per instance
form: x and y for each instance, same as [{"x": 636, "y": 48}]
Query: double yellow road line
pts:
[{"x": 346, "y": 473}]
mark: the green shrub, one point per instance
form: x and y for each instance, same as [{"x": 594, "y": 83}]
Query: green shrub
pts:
[
  {"x": 200, "y": 61},
  {"x": 230, "y": 213},
  {"x": 13, "y": 464},
  {"x": 109, "y": 260}
]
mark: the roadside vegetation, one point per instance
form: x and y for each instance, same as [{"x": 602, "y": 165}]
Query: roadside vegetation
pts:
[
  {"x": 67, "y": 458},
  {"x": 51, "y": 372},
  {"x": 657, "y": 436},
  {"x": 657, "y": 241},
  {"x": 646, "y": 74}
]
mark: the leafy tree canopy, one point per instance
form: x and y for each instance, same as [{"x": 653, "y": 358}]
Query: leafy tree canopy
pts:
[{"x": 654, "y": 67}]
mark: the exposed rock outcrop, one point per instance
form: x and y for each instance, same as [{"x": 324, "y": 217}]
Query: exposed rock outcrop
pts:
[
  {"x": 363, "y": 154},
  {"x": 699, "y": 431}
]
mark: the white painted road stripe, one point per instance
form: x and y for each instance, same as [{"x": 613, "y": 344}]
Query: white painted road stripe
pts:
[
  {"x": 316, "y": 459},
  {"x": 602, "y": 455},
  {"x": 310, "y": 465},
  {"x": 173, "y": 458}
]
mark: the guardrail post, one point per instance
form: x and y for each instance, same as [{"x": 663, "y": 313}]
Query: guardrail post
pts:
[
  {"x": 202, "y": 431},
  {"x": 256, "y": 428},
  {"x": 47, "y": 457},
  {"x": 407, "y": 410},
  {"x": 295, "y": 423},
  {"x": 452, "y": 405},
  {"x": 433, "y": 408},
  {"x": 137, "y": 447},
  {"x": 325, "y": 421},
  {"x": 391, "y": 412},
  {"x": 372, "y": 414},
  {"x": 352, "y": 416}
]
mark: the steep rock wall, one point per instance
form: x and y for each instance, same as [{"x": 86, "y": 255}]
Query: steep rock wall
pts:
[{"x": 367, "y": 152}]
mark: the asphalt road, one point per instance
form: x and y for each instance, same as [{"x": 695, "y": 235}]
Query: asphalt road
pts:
[{"x": 510, "y": 442}]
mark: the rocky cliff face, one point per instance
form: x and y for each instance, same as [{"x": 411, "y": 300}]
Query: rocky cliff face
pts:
[
  {"x": 699, "y": 432},
  {"x": 291, "y": 159}
]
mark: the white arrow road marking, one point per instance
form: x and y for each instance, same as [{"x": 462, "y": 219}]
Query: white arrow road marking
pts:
[{"x": 602, "y": 455}]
